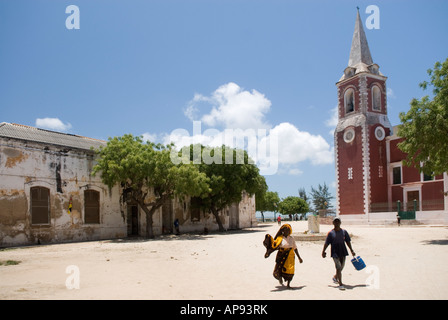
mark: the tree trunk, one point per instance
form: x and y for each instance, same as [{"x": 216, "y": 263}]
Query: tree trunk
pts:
[
  {"x": 149, "y": 214},
  {"x": 218, "y": 220},
  {"x": 149, "y": 222}
]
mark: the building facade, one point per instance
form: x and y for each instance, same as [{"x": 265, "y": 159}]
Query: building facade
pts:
[
  {"x": 372, "y": 182},
  {"x": 48, "y": 195}
]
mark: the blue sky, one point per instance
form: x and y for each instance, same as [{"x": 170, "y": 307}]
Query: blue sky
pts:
[{"x": 151, "y": 67}]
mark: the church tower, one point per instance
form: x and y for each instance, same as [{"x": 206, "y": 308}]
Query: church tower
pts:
[{"x": 359, "y": 138}]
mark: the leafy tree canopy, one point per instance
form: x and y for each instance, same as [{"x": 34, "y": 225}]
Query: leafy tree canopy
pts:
[
  {"x": 292, "y": 205},
  {"x": 140, "y": 167},
  {"x": 268, "y": 201},
  {"x": 321, "y": 197},
  {"x": 425, "y": 125},
  {"x": 229, "y": 174}
]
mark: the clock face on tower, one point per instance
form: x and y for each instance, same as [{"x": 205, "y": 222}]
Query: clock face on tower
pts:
[
  {"x": 349, "y": 135},
  {"x": 380, "y": 134}
]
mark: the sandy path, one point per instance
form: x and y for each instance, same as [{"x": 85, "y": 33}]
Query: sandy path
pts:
[{"x": 404, "y": 263}]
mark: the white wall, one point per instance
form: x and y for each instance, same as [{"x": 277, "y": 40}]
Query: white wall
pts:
[{"x": 24, "y": 165}]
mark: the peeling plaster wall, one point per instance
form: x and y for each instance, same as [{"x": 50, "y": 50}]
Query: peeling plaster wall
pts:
[
  {"x": 66, "y": 173},
  {"x": 246, "y": 216},
  {"x": 182, "y": 211}
]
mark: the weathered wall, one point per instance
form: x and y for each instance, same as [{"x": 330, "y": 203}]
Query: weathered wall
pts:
[
  {"x": 66, "y": 173},
  {"x": 183, "y": 212},
  {"x": 247, "y": 217}
]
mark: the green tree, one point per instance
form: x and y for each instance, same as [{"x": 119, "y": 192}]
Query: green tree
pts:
[
  {"x": 293, "y": 205},
  {"x": 140, "y": 167},
  {"x": 321, "y": 198},
  {"x": 227, "y": 181},
  {"x": 425, "y": 126},
  {"x": 267, "y": 201}
]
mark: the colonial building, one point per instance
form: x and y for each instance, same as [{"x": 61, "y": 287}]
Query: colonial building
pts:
[
  {"x": 48, "y": 195},
  {"x": 372, "y": 182}
]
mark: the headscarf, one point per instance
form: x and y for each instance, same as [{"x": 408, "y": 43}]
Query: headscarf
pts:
[
  {"x": 282, "y": 228},
  {"x": 269, "y": 241}
]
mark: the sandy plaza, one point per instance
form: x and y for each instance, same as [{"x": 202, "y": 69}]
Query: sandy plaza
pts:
[{"x": 407, "y": 262}]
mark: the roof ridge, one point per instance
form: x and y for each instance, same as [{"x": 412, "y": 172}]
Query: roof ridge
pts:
[
  {"x": 29, "y": 133},
  {"x": 51, "y": 131}
]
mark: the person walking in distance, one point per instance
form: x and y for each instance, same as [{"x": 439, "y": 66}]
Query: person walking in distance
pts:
[{"x": 337, "y": 238}]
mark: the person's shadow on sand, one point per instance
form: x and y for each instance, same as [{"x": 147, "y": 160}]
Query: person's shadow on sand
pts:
[
  {"x": 349, "y": 287},
  {"x": 285, "y": 288}
]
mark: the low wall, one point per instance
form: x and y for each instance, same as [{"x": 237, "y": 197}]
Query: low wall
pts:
[{"x": 386, "y": 218}]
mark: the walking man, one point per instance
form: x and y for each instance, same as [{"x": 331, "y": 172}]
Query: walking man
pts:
[{"x": 338, "y": 238}]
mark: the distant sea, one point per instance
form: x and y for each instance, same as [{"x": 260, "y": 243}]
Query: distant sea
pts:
[{"x": 270, "y": 216}]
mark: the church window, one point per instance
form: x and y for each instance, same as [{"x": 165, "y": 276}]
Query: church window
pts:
[
  {"x": 376, "y": 98},
  {"x": 349, "y": 100},
  {"x": 396, "y": 172},
  {"x": 427, "y": 177}
]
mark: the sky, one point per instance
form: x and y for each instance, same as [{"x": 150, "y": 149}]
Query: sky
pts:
[{"x": 206, "y": 68}]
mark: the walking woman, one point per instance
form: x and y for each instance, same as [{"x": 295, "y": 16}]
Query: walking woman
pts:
[{"x": 287, "y": 249}]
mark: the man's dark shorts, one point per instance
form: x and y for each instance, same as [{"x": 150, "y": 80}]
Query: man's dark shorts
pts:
[{"x": 339, "y": 263}]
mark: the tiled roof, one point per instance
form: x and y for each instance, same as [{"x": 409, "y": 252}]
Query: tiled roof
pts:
[{"x": 22, "y": 132}]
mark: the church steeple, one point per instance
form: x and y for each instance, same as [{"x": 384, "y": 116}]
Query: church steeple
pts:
[
  {"x": 360, "y": 59},
  {"x": 360, "y": 135},
  {"x": 359, "y": 51}
]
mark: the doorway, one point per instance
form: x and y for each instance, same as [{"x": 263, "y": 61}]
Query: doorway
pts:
[
  {"x": 167, "y": 216},
  {"x": 132, "y": 220},
  {"x": 413, "y": 200},
  {"x": 234, "y": 216}
]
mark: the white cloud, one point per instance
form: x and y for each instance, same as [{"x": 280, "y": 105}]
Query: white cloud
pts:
[
  {"x": 192, "y": 108},
  {"x": 182, "y": 138},
  {"x": 53, "y": 124},
  {"x": 390, "y": 93},
  {"x": 149, "y": 137},
  {"x": 295, "y": 172},
  {"x": 284, "y": 145},
  {"x": 241, "y": 114},
  {"x": 295, "y": 146},
  {"x": 332, "y": 122},
  {"x": 232, "y": 107}
]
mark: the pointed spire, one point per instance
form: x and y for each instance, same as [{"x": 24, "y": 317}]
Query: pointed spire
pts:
[{"x": 360, "y": 49}]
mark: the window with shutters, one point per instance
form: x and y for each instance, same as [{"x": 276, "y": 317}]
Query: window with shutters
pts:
[
  {"x": 91, "y": 206},
  {"x": 40, "y": 205}
]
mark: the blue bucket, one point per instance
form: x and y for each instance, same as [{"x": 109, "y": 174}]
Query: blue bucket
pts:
[{"x": 358, "y": 263}]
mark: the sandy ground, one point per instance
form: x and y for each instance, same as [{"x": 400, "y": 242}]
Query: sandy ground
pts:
[{"x": 407, "y": 262}]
